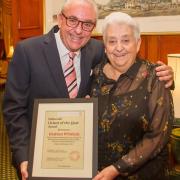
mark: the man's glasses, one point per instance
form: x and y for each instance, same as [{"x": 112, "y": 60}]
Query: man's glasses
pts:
[{"x": 74, "y": 22}]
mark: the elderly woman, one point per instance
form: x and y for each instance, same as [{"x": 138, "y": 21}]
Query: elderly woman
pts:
[{"x": 135, "y": 108}]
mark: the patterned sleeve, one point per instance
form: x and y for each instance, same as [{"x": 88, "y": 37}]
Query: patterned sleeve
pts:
[{"x": 161, "y": 115}]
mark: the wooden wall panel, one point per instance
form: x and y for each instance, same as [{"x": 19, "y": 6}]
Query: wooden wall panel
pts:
[
  {"x": 1, "y": 20},
  {"x": 27, "y": 19},
  {"x": 142, "y": 51},
  {"x": 169, "y": 44},
  {"x": 152, "y": 47},
  {"x": 7, "y": 26}
]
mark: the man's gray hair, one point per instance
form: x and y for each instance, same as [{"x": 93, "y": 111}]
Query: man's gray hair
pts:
[
  {"x": 91, "y": 2},
  {"x": 120, "y": 18}
]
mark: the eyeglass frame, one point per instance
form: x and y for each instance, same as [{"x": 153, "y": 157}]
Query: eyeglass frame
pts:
[{"x": 78, "y": 21}]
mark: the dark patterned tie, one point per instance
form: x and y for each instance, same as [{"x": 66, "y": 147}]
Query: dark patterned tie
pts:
[{"x": 70, "y": 76}]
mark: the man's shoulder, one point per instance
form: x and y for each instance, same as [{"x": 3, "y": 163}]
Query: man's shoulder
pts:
[
  {"x": 37, "y": 40},
  {"x": 96, "y": 41},
  {"x": 32, "y": 40},
  {"x": 95, "y": 44}
]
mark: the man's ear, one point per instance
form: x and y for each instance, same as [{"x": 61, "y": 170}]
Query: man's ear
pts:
[{"x": 59, "y": 19}]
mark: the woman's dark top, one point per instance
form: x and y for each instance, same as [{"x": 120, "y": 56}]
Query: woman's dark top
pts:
[{"x": 135, "y": 120}]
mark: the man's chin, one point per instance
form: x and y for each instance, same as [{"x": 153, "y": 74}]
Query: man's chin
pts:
[{"x": 76, "y": 47}]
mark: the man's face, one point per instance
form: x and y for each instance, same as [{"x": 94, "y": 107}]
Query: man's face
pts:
[
  {"x": 74, "y": 38},
  {"x": 121, "y": 46}
]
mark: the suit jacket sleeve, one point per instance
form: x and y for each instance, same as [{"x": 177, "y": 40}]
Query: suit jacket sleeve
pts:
[{"x": 15, "y": 105}]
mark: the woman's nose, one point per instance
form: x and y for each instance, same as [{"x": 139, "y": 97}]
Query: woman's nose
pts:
[{"x": 119, "y": 46}]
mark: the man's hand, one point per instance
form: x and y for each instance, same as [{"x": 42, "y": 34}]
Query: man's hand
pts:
[
  {"x": 165, "y": 73},
  {"x": 23, "y": 168},
  {"x": 108, "y": 173}
]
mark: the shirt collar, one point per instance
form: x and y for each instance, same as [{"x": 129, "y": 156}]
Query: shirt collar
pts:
[
  {"x": 132, "y": 71},
  {"x": 64, "y": 51}
]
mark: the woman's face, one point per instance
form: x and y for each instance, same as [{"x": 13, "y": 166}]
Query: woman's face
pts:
[{"x": 121, "y": 46}]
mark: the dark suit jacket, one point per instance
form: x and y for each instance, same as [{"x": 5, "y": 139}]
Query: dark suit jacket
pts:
[{"x": 35, "y": 72}]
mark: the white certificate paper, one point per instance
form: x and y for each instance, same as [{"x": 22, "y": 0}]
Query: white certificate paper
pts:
[
  {"x": 64, "y": 139},
  {"x": 63, "y": 146}
]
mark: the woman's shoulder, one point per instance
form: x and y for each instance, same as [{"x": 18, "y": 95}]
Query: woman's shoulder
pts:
[
  {"x": 149, "y": 64},
  {"x": 149, "y": 67},
  {"x": 148, "y": 72}
]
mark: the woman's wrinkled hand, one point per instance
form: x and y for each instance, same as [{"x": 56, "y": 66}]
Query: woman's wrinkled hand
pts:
[{"x": 108, "y": 173}]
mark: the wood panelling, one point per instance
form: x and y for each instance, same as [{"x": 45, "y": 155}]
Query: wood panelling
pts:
[
  {"x": 142, "y": 51},
  {"x": 1, "y": 20},
  {"x": 153, "y": 47},
  {"x": 7, "y": 25},
  {"x": 156, "y": 47},
  {"x": 169, "y": 44},
  {"x": 27, "y": 19}
]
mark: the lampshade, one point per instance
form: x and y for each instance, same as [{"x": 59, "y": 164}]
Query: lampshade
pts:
[{"x": 174, "y": 62}]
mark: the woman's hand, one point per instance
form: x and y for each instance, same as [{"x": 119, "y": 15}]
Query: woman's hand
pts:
[
  {"x": 108, "y": 173},
  {"x": 165, "y": 73}
]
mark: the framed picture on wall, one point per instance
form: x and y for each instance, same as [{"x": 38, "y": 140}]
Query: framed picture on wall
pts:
[{"x": 153, "y": 16}]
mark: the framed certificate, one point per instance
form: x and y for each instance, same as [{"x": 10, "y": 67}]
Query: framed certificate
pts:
[{"x": 64, "y": 139}]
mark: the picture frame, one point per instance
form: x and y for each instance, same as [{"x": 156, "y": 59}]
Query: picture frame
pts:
[
  {"x": 153, "y": 17},
  {"x": 64, "y": 139}
]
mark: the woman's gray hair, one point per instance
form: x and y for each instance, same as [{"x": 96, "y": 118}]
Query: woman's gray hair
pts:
[
  {"x": 120, "y": 18},
  {"x": 91, "y": 2}
]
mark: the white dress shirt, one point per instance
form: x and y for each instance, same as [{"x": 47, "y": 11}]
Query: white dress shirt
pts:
[{"x": 64, "y": 57}]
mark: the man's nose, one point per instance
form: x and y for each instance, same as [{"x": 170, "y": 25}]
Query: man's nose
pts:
[{"x": 79, "y": 28}]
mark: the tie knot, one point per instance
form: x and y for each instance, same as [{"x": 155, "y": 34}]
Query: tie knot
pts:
[{"x": 72, "y": 55}]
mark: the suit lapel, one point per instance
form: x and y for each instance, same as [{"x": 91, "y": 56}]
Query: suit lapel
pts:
[
  {"x": 85, "y": 66},
  {"x": 53, "y": 60}
]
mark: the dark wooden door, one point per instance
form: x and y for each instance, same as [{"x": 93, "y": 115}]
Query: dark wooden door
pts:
[{"x": 27, "y": 19}]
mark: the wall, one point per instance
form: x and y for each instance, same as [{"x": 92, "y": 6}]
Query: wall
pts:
[{"x": 156, "y": 47}]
